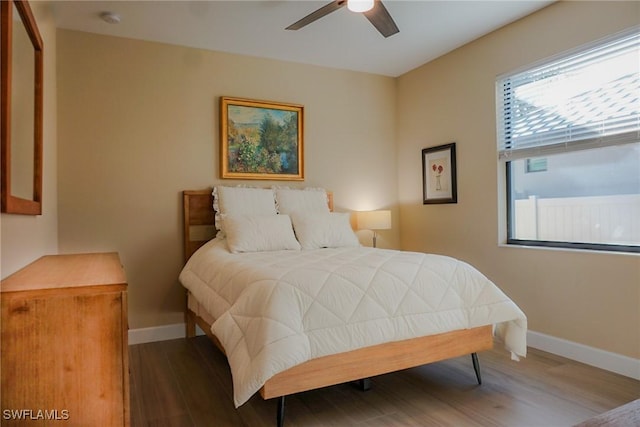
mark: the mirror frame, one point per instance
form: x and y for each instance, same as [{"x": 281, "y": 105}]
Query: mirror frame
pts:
[{"x": 9, "y": 202}]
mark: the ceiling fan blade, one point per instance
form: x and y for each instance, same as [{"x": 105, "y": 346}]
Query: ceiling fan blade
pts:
[
  {"x": 314, "y": 16},
  {"x": 381, "y": 19}
]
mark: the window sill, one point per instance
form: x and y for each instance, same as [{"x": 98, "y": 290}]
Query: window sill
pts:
[{"x": 565, "y": 249}]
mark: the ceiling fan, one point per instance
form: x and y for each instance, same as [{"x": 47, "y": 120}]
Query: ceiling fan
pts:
[{"x": 374, "y": 10}]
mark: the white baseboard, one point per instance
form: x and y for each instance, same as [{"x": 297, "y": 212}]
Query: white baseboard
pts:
[
  {"x": 159, "y": 333},
  {"x": 606, "y": 360},
  {"x": 623, "y": 365}
]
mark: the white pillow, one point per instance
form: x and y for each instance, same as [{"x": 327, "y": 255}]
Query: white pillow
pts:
[
  {"x": 324, "y": 230},
  {"x": 309, "y": 200},
  {"x": 256, "y": 233},
  {"x": 242, "y": 201}
]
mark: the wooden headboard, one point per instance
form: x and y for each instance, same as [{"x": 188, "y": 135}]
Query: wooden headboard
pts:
[{"x": 199, "y": 219}]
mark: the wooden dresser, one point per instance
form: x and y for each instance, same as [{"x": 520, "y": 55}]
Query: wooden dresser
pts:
[{"x": 64, "y": 353}]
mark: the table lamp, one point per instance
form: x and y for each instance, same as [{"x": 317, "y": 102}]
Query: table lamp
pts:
[{"x": 374, "y": 220}]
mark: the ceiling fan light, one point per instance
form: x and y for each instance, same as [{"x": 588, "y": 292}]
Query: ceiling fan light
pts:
[{"x": 360, "y": 5}]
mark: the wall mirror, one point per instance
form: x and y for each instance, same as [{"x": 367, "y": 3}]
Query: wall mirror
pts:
[{"x": 21, "y": 76}]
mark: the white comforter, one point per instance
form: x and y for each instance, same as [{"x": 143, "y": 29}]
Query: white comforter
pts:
[{"x": 275, "y": 310}]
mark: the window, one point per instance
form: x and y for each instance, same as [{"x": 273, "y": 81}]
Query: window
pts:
[
  {"x": 569, "y": 135},
  {"x": 536, "y": 165}
]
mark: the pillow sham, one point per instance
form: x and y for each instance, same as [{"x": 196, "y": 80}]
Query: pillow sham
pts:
[
  {"x": 324, "y": 230},
  {"x": 308, "y": 200},
  {"x": 242, "y": 201},
  {"x": 257, "y": 233}
]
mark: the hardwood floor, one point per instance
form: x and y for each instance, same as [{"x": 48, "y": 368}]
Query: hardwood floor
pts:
[{"x": 187, "y": 382}]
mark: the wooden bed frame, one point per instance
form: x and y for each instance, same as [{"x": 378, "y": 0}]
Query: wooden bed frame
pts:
[{"x": 361, "y": 364}]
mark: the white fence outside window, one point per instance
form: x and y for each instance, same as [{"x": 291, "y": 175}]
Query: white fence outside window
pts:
[{"x": 601, "y": 219}]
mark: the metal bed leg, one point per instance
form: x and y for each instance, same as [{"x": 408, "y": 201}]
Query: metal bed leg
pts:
[
  {"x": 476, "y": 366},
  {"x": 364, "y": 384},
  {"x": 280, "y": 412}
]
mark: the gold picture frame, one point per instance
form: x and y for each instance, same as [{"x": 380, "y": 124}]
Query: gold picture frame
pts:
[{"x": 261, "y": 140}]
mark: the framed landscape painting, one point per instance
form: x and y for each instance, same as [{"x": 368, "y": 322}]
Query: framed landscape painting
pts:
[
  {"x": 261, "y": 140},
  {"x": 439, "y": 174}
]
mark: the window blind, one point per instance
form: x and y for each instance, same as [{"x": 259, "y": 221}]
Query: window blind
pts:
[{"x": 583, "y": 100}]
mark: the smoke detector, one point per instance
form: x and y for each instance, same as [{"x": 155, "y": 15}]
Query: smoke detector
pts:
[{"x": 110, "y": 17}]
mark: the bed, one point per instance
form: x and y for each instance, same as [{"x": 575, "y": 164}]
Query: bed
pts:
[{"x": 300, "y": 340}]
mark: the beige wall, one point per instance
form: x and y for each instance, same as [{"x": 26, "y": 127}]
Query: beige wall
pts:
[
  {"x": 589, "y": 298},
  {"x": 138, "y": 123},
  {"x": 24, "y": 238}
]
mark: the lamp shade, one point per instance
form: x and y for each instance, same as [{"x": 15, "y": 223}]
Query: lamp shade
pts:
[{"x": 374, "y": 220}]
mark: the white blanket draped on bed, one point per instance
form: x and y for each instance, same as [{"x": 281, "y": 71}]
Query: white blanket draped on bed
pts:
[{"x": 277, "y": 309}]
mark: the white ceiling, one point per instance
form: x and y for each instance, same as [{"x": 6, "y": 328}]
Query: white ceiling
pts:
[{"x": 342, "y": 39}]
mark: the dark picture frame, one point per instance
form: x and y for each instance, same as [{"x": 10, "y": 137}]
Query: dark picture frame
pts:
[
  {"x": 439, "y": 183},
  {"x": 261, "y": 140}
]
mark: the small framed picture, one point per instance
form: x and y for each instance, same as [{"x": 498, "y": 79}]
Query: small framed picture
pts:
[{"x": 439, "y": 174}]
